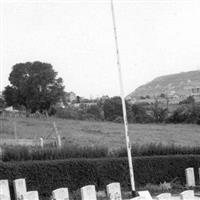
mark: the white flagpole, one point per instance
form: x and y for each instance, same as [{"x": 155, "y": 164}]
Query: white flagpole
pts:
[{"x": 128, "y": 145}]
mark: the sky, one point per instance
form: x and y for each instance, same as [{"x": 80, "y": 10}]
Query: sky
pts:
[{"x": 156, "y": 37}]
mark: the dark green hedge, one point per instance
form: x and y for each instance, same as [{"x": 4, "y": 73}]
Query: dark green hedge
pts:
[
  {"x": 46, "y": 176},
  {"x": 24, "y": 153}
]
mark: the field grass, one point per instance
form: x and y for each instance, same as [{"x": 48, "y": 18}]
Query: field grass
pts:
[{"x": 111, "y": 135}]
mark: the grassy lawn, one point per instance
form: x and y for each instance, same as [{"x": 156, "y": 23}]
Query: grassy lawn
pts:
[{"x": 108, "y": 134}]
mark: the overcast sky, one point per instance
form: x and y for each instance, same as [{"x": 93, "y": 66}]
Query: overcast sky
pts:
[{"x": 156, "y": 37}]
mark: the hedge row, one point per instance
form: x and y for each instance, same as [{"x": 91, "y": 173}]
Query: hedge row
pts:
[
  {"x": 23, "y": 153},
  {"x": 46, "y": 176}
]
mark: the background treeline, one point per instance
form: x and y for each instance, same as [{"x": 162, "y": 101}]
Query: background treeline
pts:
[
  {"x": 23, "y": 153},
  {"x": 110, "y": 109}
]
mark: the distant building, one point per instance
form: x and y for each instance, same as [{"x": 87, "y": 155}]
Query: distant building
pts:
[{"x": 195, "y": 93}]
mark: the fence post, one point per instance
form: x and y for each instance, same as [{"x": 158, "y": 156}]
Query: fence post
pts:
[
  {"x": 15, "y": 130},
  {"x": 41, "y": 142},
  {"x": 1, "y": 153},
  {"x": 59, "y": 143}
]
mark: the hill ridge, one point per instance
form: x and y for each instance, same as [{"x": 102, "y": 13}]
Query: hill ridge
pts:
[{"x": 179, "y": 85}]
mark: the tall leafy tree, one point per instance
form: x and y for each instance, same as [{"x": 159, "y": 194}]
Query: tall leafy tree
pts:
[
  {"x": 34, "y": 85},
  {"x": 112, "y": 108}
]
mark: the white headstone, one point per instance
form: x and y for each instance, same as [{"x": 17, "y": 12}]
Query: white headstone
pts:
[
  {"x": 187, "y": 195},
  {"x": 19, "y": 188},
  {"x": 31, "y": 195},
  {"x": 199, "y": 175},
  {"x": 4, "y": 188},
  {"x": 164, "y": 196},
  {"x": 190, "y": 179},
  {"x": 114, "y": 191},
  {"x": 138, "y": 198},
  {"x": 88, "y": 193},
  {"x": 61, "y": 194},
  {"x": 145, "y": 194},
  {"x": 3, "y": 197}
]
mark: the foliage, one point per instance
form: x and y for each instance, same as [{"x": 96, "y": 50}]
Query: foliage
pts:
[
  {"x": 153, "y": 149},
  {"x": 186, "y": 114},
  {"x": 112, "y": 108},
  {"x": 46, "y": 176},
  {"x": 140, "y": 115},
  {"x": 188, "y": 100},
  {"x": 22, "y": 153},
  {"x": 158, "y": 112},
  {"x": 33, "y": 85},
  {"x": 95, "y": 111},
  {"x": 2, "y": 103}
]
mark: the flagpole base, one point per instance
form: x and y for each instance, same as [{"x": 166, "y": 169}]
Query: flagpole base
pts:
[{"x": 134, "y": 193}]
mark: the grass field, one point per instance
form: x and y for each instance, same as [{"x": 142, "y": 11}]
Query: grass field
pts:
[{"x": 111, "y": 135}]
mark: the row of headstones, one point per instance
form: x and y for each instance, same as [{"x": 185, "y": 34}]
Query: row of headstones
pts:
[{"x": 87, "y": 193}]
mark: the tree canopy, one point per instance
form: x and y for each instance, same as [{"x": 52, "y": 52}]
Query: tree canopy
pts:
[{"x": 34, "y": 85}]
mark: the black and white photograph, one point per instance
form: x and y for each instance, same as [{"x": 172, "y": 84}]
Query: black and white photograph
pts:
[{"x": 99, "y": 99}]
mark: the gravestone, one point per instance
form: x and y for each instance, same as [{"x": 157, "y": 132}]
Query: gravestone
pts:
[
  {"x": 114, "y": 191},
  {"x": 145, "y": 194},
  {"x": 88, "y": 193},
  {"x": 4, "y": 189},
  {"x": 199, "y": 175},
  {"x": 31, "y": 195},
  {"x": 19, "y": 188},
  {"x": 3, "y": 197},
  {"x": 61, "y": 194},
  {"x": 138, "y": 198},
  {"x": 187, "y": 195},
  {"x": 190, "y": 179},
  {"x": 164, "y": 196}
]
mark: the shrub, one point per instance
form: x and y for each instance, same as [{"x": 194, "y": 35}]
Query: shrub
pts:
[
  {"x": 46, "y": 176},
  {"x": 22, "y": 153},
  {"x": 157, "y": 149},
  {"x": 140, "y": 114},
  {"x": 95, "y": 111},
  {"x": 186, "y": 114},
  {"x": 118, "y": 119}
]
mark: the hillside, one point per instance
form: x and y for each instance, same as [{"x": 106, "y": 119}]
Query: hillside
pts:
[{"x": 178, "y": 86}]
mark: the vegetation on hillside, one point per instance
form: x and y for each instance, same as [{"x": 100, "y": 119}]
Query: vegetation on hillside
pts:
[{"x": 164, "y": 84}]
